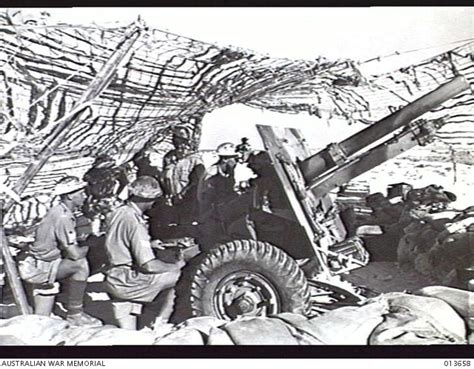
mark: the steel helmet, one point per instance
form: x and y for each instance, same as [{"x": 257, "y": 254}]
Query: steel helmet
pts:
[
  {"x": 226, "y": 149},
  {"x": 69, "y": 184},
  {"x": 104, "y": 161},
  {"x": 146, "y": 187},
  {"x": 180, "y": 135}
]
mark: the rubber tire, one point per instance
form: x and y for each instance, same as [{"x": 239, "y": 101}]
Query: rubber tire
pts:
[{"x": 273, "y": 263}]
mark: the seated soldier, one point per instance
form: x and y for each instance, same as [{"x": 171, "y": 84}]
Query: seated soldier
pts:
[
  {"x": 134, "y": 273},
  {"x": 106, "y": 189},
  {"x": 105, "y": 181},
  {"x": 55, "y": 255}
]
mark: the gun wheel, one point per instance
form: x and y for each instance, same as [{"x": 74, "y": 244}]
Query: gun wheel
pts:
[{"x": 248, "y": 278}]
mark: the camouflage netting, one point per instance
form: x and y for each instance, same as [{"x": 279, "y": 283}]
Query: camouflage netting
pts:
[{"x": 170, "y": 80}]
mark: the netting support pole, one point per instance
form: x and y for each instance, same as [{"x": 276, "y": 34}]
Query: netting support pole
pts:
[
  {"x": 61, "y": 128},
  {"x": 15, "y": 282}
]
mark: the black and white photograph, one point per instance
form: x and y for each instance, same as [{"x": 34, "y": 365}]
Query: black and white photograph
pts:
[{"x": 237, "y": 176}]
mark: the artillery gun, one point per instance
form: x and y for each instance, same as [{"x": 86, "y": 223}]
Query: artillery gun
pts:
[
  {"x": 296, "y": 245},
  {"x": 296, "y": 241}
]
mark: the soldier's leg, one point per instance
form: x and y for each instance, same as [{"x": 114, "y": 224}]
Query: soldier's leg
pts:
[
  {"x": 167, "y": 298},
  {"x": 126, "y": 313},
  {"x": 75, "y": 269},
  {"x": 76, "y": 272},
  {"x": 44, "y": 293},
  {"x": 163, "y": 304}
]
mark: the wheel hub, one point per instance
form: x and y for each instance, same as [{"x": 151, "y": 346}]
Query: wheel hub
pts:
[
  {"x": 245, "y": 293},
  {"x": 246, "y": 305}
]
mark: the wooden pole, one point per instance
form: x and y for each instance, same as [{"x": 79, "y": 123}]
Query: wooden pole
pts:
[
  {"x": 15, "y": 282},
  {"x": 57, "y": 136}
]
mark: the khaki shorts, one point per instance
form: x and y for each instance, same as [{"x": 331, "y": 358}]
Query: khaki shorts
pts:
[
  {"x": 125, "y": 283},
  {"x": 39, "y": 271}
]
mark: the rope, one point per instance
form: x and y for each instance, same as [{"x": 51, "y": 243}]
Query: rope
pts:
[{"x": 399, "y": 53}]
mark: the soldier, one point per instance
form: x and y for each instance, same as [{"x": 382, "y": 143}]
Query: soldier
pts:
[
  {"x": 134, "y": 273},
  {"x": 218, "y": 183},
  {"x": 105, "y": 183},
  {"x": 224, "y": 213},
  {"x": 144, "y": 165},
  {"x": 55, "y": 255},
  {"x": 182, "y": 171},
  {"x": 105, "y": 179}
]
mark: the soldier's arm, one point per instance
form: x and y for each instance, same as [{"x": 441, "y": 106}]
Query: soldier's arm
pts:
[
  {"x": 144, "y": 256},
  {"x": 156, "y": 266},
  {"x": 75, "y": 252},
  {"x": 66, "y": 236}
]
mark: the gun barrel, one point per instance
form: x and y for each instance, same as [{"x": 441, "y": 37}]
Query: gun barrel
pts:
[{"x": 319, "y": 163}]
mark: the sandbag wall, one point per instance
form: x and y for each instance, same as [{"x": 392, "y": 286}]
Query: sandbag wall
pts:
[{"x": 390, "y": 319}]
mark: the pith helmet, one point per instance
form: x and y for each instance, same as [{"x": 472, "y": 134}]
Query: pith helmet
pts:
[
  {"x": 69, "y": 184},
  {"x": 227, "y": 149},
  {"x": 146, "y": 187}
]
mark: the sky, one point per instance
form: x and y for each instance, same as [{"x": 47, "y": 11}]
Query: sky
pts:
[
  {"x": 297, "y": 33},
  {"x": 357, "y": 33}
]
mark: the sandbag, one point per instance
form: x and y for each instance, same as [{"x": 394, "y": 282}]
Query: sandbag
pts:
[
  {"x": 203, "y": 324},
  {"x": 350, "y": 325},
  {"x": 406, "y": 328},
  {"x": 110, "y": 335},
  {"x": 259, "y": 331},
  {"x": 417, "y": 320},
  {"x": 300, "y": 328},
  {"x": 218, "y": 336},
  {"x": 183, "y": 336},
  {"x": 9, "y": 340},
  {"x": 33, "y": 329},
  {"x": 460, "y": 300},
  {"x": 41, "y": 330},
  {"x": 291, "y": 318},
  {"x": 74, "y": 335}
]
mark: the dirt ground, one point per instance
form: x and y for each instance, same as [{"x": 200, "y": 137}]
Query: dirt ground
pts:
[{"x": 388, "y": 277}]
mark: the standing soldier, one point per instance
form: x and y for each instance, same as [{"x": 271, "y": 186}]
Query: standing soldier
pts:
[
  {"x": 218, "y": 184},
  {"x": 215, "y": 194},
  {"x": 134, "y": 274},
  {"x": 182, "y": 171},
  {"x": 55, "y": 255}
]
